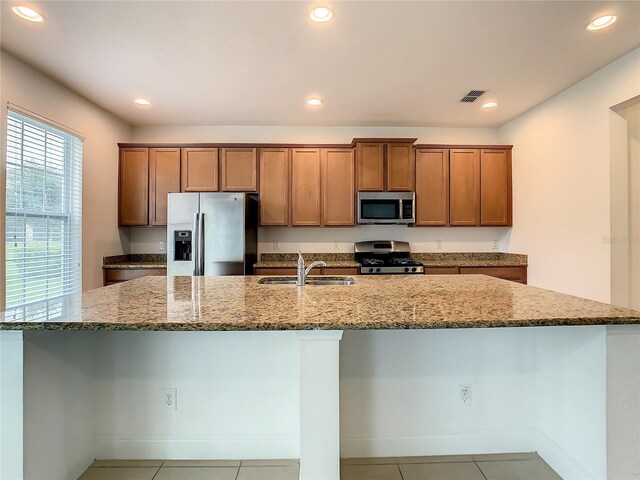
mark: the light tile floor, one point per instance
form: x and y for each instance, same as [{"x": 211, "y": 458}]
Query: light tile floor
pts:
[{"x": 512, "y": 466}]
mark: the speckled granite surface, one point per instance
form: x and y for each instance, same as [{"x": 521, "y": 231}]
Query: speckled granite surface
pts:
[
  {"x": 290, "y": 260},
  {"x": 374, "y": 302},
  {"x": 431, "y": 259},
  {"x": 135, "y": 261},
  {"x": 472, "y": 259}
]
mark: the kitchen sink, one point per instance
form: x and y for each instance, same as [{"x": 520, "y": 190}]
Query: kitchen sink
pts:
[{"x": 309, "y": 281}]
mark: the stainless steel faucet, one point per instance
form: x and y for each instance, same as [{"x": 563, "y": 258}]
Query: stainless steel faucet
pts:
[{"x": 302, "y": 272}]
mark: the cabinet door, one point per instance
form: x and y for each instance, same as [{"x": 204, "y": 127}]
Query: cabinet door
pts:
[
  {"x": 133, "y": 191},
  {"x": 464, "y": 187},
  {"x": 400, "y": 167},
  {"x": 495, "y": 187},
  {"x": 338, "y": 186},
  {"x": 370, "y": 166},
  {"x": 441, "y": 270},
  {"x": 199, "y": 169},
  {"x": 432, "y": 187},
  {"x": 274, "y": 186},
  {"x": 164, "y": 177},
  {"x": 305, "y": 187},
  {"x": 238, "y": 170},
  {"x": 514, "y": 274}
]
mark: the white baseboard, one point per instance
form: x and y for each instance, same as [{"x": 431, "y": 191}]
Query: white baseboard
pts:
[
  {"x": 72, "y": 469},
  {"x": 287, "y": 446},
  {"x": 198, "y": 447},
  {"x": 558, "y": 459},
  {"x": 442, "y": 443}
]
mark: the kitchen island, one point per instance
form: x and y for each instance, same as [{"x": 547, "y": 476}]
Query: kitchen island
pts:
[{"x": 317, "y": 314}]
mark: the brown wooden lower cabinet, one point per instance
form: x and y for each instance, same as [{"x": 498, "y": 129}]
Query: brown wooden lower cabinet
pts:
[
  {"x": 441, "y": 270},
  {"x": 515, "y": 274},
  {"x": 315, "y": 271},
  {"x": 112, "y": 276}
]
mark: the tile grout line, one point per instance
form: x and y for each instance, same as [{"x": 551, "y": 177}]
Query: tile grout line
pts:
[
  {"x": 238, "y": 471},
  {"x": 158, "y": 471},
  {"x": 481, "y": 472}
]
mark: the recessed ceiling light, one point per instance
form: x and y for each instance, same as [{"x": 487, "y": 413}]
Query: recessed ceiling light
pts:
[
  {"x": 321, "y": 14},
  {"x": 142, "y": 101},
  {"x": 490, "y": 105},
  {"x": 601, "y": 22},
  {"x": 27, "y": 13},
  {"x": 314, "y": 102}
]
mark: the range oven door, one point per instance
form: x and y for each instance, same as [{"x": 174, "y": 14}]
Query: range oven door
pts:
[{"x": 376, "y": 208}]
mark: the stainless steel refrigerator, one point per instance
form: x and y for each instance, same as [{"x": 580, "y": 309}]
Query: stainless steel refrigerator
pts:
[{"x": 212, "y": 233}]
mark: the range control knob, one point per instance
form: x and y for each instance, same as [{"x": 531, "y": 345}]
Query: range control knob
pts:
[
  {"x": 378, "y": 270},
  {"x": 371, "y": 270},
  {"x": 406, "y": 269},
  {"x": 413, "y": 269}
]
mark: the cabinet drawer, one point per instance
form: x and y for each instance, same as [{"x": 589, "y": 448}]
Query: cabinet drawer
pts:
[
  {"x": 315, "y": 271},
  {"x": 116, "y": 275},
  {"x": 441, "y": 270},
  {"x": 515, "y": 274},
  {"x": 340, "y": 271},
  {"x": 278, "y": 271}
]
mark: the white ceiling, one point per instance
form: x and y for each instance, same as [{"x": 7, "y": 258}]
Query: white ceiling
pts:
[{"x": 385, "y": 63}]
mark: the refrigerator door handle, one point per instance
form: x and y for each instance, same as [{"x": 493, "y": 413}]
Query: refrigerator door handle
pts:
[
  {"x": 196, "y": 244},
  {"x": 201, "y": 244}
]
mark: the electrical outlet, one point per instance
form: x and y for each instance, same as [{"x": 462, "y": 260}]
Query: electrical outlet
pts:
[
  {"x": 496, "y": 245},
  {"x": 276, "y": 245},
  {"x": 335, "y": 246},
  {"x": 465, "y": 395},
  {"x": 163, "y": 246},
  {"x": 170, "y": 398},
  {"x": 439, "y": 245}
]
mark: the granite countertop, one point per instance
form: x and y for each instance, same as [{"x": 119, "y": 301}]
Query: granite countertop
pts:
[
  {"x": 472, "y": 259},
  {"x": 135, "y": 261},
  {"x": 431, "y": 259},
  {"x": 379, "y": 302},
  {"x": 290, "y": 260}
]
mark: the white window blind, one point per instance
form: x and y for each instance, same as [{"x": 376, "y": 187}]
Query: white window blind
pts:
[{"x": 43, "y": 211}]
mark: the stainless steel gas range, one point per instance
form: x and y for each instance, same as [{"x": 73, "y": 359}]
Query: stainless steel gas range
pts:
[{"x": 386, "y": 257}]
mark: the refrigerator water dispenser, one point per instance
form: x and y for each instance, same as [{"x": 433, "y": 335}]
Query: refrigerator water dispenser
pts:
[{"x": 182, "y": 246}]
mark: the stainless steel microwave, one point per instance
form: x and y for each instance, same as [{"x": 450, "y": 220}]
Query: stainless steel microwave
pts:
[{"x": 376, "y": 208}]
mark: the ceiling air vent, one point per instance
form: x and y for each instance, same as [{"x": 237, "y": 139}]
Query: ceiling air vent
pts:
[{"x": 472, "y": 96}]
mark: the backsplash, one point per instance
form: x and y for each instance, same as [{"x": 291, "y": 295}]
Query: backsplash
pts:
[{"x": 341, "y": 240}]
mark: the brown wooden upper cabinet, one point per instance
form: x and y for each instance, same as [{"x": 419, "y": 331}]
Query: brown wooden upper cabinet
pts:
[
  {"x": 464, "y": 187},
  {"x": 199, "y": 169},
  {"x": 338, "y": 186},
  {"x": 238, "y": 170},
  {"x": 305, "y": 187},
  {"x": 385, "y": 166},
  {"x": 133, "y": 190},
  {"x": 370, "y": 166},
  {"x": 495, "y": 188},
  {"x": 432, "y": 187},
  {"x": 400, "y": 167},
  {"x": 274, "y": 186},
  {"x": 164, "y": 178}
]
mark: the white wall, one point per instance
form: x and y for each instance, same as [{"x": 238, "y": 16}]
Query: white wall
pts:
[
  {"x": 570, "y": 410},
  {"x": 561, "y": 190},
  {"x": 145, "y": 240},
  {"x": 620, "y": 210},
  {"x": 309, "y": 134},
  {"x": 59, "y": 404},
  {"x": 28, "y": 88},
  {"x": 633, "y": 152},
  {"x": 237, "y": 395},
  {"x": 400, "y": 392},
  {"x": 623, "y": 402}
]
